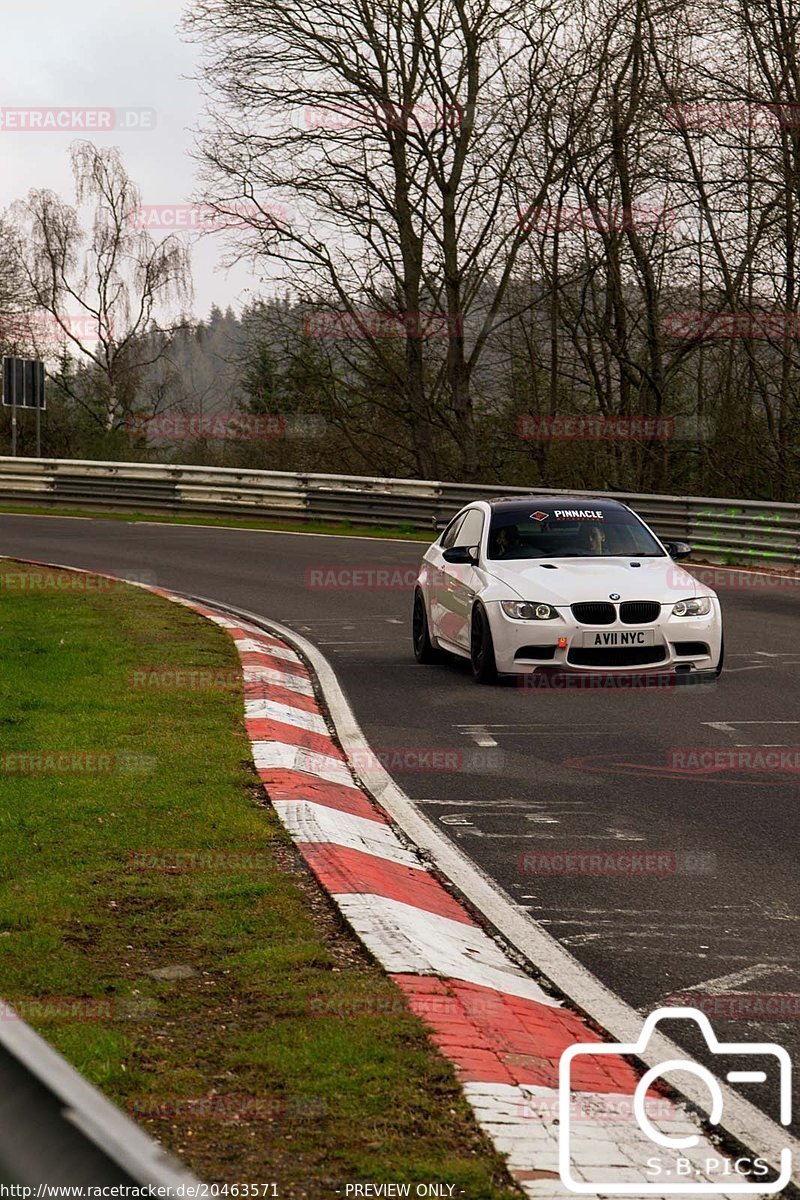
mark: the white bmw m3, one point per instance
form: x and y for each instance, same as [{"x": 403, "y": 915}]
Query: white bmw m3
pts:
[{"x": 572, "y": 585}]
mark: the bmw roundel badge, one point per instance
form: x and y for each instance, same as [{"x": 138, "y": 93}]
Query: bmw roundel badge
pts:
[{"x": 614, "y": 596}]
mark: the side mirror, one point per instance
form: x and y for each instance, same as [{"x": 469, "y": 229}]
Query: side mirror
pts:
[
  {"x": 678, "y": 550},
  {"x": 463, "y": 555}
]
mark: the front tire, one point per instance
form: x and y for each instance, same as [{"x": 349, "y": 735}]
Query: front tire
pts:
[
  {"x": 424, "y": 651},
  {"x": 718, "y": 668},
  {"x": 484, "y": 667}
]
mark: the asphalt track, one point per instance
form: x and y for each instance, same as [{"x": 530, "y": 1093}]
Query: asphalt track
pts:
[{"x": 526, "y": 774}]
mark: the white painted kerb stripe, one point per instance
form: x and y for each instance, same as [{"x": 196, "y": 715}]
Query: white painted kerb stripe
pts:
[
  {"x": 410, "y": 941},
  {"x": 296, "y": 758},
  {"x": 294, "y": 683},
  {"x": 273, "y": 710},
  {"x": 310, "y": 822},
  {"x": 260, "y": 646}
]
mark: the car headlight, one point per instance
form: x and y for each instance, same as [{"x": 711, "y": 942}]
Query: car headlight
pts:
[
  {"x": 526, "y": 610},
  {"x": 700, "y": 607}
]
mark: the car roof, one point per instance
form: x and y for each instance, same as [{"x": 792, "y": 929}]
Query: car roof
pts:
[{"x": 506, "y": 503}]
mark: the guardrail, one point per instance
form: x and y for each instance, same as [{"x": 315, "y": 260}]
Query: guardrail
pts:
[
  {"x": 734, "y": 530},
  {"x": 56, "y": 1129}
]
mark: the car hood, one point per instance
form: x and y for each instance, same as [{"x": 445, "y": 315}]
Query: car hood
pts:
[{"x": 577, "y": 579}]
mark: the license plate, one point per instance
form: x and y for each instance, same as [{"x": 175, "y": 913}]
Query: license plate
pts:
[{"x": 602, "y": 638}]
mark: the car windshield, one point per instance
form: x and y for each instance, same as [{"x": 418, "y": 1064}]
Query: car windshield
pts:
[{"x": 522, "y": 532}]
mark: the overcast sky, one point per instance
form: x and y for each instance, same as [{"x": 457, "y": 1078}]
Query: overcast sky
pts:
[{"x": 110, "y": 54}]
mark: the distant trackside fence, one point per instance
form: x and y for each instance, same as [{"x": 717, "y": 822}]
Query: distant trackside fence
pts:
[{"x": 722, "y": 530}]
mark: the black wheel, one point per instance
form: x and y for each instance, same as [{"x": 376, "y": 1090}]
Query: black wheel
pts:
[
  {"x": 424, "y": 651},
  {"x": 719, "y": 666},
  {"x": 484, "y": 667}
]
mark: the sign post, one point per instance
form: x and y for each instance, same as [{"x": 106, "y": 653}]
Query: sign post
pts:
[{"x": 23, "y": 387}]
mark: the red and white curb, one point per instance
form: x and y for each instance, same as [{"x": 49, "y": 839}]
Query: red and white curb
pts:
[{"x": 501, "y": 1030}]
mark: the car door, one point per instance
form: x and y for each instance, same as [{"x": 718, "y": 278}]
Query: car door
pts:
[
  {"x": 462, "y": 580},
  {"x": 437, "y": 580}
]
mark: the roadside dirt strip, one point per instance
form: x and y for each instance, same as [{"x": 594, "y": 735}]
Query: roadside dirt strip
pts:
[{"x": 504, "y": 1033}]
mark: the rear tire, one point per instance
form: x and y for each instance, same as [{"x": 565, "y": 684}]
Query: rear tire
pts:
[
  {"x": 484, "y": 667},
  {"x": 424, "y": 651}
]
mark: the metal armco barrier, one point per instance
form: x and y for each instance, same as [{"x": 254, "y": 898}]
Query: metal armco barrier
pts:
[
  {"x": 734, "y": 530},
  {"x": 56, "y": 1129}
]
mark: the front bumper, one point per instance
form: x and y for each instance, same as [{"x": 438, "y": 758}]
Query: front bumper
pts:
[{"x": 522, "y": 647}]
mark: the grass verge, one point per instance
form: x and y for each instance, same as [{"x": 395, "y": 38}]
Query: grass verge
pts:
[{"x": 158, "y": 927}]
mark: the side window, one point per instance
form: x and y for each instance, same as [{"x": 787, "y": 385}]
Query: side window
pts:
[
  {"x": 449, "y": 535},
  {"x": 471, "y": 530}
]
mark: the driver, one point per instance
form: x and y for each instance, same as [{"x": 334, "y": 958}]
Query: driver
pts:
[
  {"x": 507, "y": 542},
  {"x": 594, "y": 540}
]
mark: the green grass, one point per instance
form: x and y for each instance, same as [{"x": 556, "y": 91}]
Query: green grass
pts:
[
  {"x": 337, "y": 528},
  {"x": 343, "y": 1096}
]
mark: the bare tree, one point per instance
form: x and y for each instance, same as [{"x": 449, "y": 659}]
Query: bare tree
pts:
[
  {"x": 395, "y": 130},
  {"x": 104, "y": 290}
]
